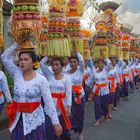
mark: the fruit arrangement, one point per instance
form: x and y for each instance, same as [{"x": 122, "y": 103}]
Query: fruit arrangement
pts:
[
  {"x": 74, "y": 11},
  {"x": 125, "y": 40},
  {"x": 1, "y": 26},
  {"x": 74, "y": 27},
  {"x": 74, "y": 8},
  {"x": 56, "y": 22},
  {"x": 86, "y": 34},
  {"x": 44, "y": 32},
  {"x": 100, "y": 39},
  {"x": 57, "y": 44},
  {"x": 57, "y": 27},
  {"x": 26, "y": 19},
  {"x": 43, "y": 35}
]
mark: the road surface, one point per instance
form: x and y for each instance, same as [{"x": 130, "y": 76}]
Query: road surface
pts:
[{"x": 125, "y": 124}]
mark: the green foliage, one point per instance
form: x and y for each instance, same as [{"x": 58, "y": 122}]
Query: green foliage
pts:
[{"x": 10, "y": 82}]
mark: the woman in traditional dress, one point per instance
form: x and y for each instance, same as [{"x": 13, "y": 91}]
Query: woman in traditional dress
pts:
[
  {"x": 78, "y": 96},
  {"x": 99, "y": 81},
  {"x": 127, "y": 77},
  {"x": 113, "y": 84},
  {"x": 87, "y": 74},
  {"x": 4, "y": 89},
  {"x": 138, "y": 74},
  {"x": 27, "y": 119},
  {"x": 117, "y": 65},
  {"x": 60, "y": 86}
]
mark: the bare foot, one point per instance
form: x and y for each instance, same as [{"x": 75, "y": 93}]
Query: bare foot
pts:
[
  {"x": 81, "y": 137},
  {"x": 110, "y": 116},
  {"x": 106, "y": 118},
  {"x": 97, "y": 124}
]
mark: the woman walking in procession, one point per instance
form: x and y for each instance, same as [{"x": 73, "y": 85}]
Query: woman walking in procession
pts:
[
  {"x": 78, "y": 96},
  {"x": 27, "y": 119},
  {"x": 60, "y": 86},
  {"x": 4, "y": 89}
]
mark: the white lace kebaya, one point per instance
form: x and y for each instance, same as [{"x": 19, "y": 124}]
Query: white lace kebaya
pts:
[
  {"x": 4, "y": 88},
  {"x": 113, "y": 73},
  {"x": 29, "y": 91},
  {"x": 58, "y": 86},
  {"x": 77, "y": 76}
]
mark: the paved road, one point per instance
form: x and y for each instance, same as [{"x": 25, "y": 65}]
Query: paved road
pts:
[{"x": 124, "y": 126}]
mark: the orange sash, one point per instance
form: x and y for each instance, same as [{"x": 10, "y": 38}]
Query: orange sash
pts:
[
  {"x": 26, "y": 107},
  {"x": 77, "y": 89},
  {"x": 113, "y": 86},
  {"x": 98, "y": 88},
  {"x": 1, "y": 94},
  {"x": 125, "y": 75},
  {"x": 138, "y": 73},
  {"x": 133, "y": 73},
  {"x": 121, "y": 79},
  {"x": 86, "y": 76},
  {"x": 60, "y": 106}
]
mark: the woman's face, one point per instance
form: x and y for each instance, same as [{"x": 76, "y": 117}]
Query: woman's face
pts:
[
  {"x": 74, "y": 63},
  {"x": 96, "y": 64},
  {"x": 113, "y": 62},
  {"x": 66, "y": 61},
  {"x": 25, "y": 62},
  {"x": 101, "y": 65},
  {"x": 56, "y": 66},
  {"x": 126, "y": 62}
]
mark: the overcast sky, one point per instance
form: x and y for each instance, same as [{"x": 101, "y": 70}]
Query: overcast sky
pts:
[{"x": 129, "y": 12}]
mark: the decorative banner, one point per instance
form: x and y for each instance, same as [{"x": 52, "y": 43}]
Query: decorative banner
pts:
[{"x": 101, "y": 22}]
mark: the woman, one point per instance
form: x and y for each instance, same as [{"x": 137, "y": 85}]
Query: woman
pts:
[
  {"x": 78, "y": 96},
  {"x": 113, "y": 79},
  {"x": 127, "y": 77},
  {"x": 117, "y": 65},
  {"x": 87, "y": 74},
  {"x": 60, "y": 86},
  {"x": 4, "y": 89},
  {"x": 27, "y": 119},
  {"x": 138, "y": 74},
  {"x": 100, "y": 91}
]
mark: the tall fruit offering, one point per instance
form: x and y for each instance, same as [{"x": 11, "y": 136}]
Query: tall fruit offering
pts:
[
  {"x": 74, "y": 11},
  {"x": 26, "y": 20},
  {"x": 86, "y": 34},
  {"x": 43, "y": 35},
  {"x": 57, "y": 44}
]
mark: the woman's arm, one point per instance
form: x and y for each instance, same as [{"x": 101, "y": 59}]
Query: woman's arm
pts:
[
  {"x": 81, "y": 62},
  {"x": 49, "y": 108},
  {"x": 8, "y": 61},
  {"x": 92, "y": 66},
  {"x": 5, "y": 88},
  {"x": 46, "y": 71},
  {"x": 68, "y": 91}
]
